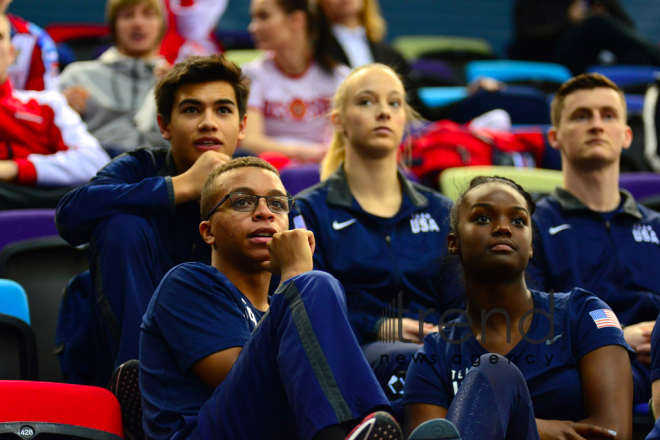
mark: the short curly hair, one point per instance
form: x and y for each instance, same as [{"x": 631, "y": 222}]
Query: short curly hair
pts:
[
  {"x": 211, "y": 187},
  {"x": 483, "y": 180}
]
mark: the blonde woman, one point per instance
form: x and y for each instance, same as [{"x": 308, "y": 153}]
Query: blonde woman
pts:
[{"x": 381, "y": 235}]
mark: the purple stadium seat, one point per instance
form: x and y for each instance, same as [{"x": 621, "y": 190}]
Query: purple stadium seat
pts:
[
  {"x": 24, "y": 224},
  {"x": 298, "y": 178},
  {"x": 640, "y": 185}
]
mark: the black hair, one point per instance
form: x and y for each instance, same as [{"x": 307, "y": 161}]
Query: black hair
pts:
[{"x": 483, "y": 180}]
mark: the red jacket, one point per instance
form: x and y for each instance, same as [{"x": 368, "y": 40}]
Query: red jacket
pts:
[{"x": 46, "y": 138}]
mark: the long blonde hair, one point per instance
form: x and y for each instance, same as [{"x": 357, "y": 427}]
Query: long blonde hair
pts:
[
  {"x": 336, "y": 153},
  {"x": 373, "y": 21}
]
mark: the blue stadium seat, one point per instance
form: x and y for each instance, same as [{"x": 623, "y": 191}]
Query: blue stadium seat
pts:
[
  {"x": 517, "y": 71},
  {"x": 526, "y": 105},
  {"x": 434, "y": 97},
  {"x": 13, "y": 300},
  {"x": 629, "y": 78}
]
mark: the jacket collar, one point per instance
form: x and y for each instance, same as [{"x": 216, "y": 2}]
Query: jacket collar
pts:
[
  {"x": 340, "y": 195},
  {"x": 113, "y": 56},
  {"x": 569, "y": 202}
]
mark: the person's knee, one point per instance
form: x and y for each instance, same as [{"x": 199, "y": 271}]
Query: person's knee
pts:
[
  {"x": 324, "y": 287},
  {"x": 122, "y": 232},
  {"x": 498, "y": 369}
]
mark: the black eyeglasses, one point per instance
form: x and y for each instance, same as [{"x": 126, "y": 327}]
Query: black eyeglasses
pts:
[{"x": 248, "y": 203}]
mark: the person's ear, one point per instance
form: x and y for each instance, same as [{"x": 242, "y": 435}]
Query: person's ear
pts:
[
  {"x": 241, "y": 128},
  {"x": 627, "y": 137},
  {"x": 298, "y": 19},
  {"x": 206, "y": 232},
  {"x": 531, "y": 251},
  {"x": 164, "y": 127},
  {"x": 337, "y": 122},
  {"x": 552, "y": 138},
  {"x": 452, "y": 243}
]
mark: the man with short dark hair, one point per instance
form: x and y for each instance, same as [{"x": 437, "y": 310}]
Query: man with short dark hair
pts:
[
  {"x": 590, "y": 233},
  {"x": 220, "y": 359},
  {"x": 140, "y": 213}
]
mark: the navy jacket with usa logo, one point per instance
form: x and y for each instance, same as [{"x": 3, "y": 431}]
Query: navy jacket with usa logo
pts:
[
  {"x": 377, "y": 258},
  {"x": 616, "y": 256}
]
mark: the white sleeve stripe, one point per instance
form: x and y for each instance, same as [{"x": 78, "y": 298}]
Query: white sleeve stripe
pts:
[{"x": 83, "y": 156}]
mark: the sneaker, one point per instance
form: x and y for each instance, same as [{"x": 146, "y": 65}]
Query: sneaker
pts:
[
  {"x": 377, "y": 426},
  {"x": 435, "y": 429},
  {"x": 125, "y": 385}
]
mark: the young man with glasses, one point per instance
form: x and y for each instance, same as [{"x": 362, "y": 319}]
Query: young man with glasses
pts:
[{"x": 283, "y": 367}]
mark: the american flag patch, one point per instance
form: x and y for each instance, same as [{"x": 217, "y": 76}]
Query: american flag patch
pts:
[{"x": 605, "y": 318}]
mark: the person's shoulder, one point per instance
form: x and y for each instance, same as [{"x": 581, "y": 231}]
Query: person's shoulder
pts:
[
  {"x": 150, "y": 160},
  {"x": 80, "y": 71},
  {"x": 558, "y": 300},
  {"x": 314, "y": 193},
  {"x": 194, "y": 274},
  {"x": 341, "y": 71},
  {"x": 576, "y": 299},
  {"x": 194, "y": 270},
  {"x": 260, "y": 65},
  {"x": 648, "y": 214},
  {"x": 547, "y": 210},
  {"x": 153, "y": 156},
  {"x": 434, "y": 197},
  {"x": 547, "y": 204}
]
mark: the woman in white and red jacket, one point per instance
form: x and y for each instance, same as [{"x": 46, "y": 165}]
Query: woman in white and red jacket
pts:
[{"x": 43, "y": 142}]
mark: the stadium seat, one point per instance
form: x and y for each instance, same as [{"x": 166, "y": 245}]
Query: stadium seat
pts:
[
  {"x": 413, "y": 47},
  {"x": 23, "y": 224},
  {"x": 631, "y": 79},
  {"x": 545, "y": 76},
  {"x": 13, "y": 300},
  {"x": 125, "y": 385},
  {"x": 525, "y": 105},
  {"x": 536, "y": 181},
  {"x": 30, "y": 409},
  {"x": 434, "y": 97},
  {"x": 242, "y": 56},
  {"x": 640, "y": 185},
  {"x": 298, "y": 178},
  {"x": 18, "y": 350},
  {"x": 427, "y": 72},
  {"x": 84, "y": 39},
  {"x": 43, "y": 267}
]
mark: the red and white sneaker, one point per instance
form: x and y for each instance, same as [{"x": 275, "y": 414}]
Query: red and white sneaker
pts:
[{"x": 377, "y": 426}]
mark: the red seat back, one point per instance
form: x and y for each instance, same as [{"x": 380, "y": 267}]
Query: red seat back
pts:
[{"x": 59, "y": 403}]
